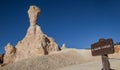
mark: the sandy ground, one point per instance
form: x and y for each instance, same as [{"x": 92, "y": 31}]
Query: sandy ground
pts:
[
  {"x": 114, "y": 60},
  {"x": 67, "y": 59},
  {"x": 93, "y": 66}
]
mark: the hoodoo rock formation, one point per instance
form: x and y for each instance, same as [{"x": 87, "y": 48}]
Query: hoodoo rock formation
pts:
[
  {"x": 9, "y": 56},
  {"x": 35, "y": 43},
  {"x": 63, "y": 46}
]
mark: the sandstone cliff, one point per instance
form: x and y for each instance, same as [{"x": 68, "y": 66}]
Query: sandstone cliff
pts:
[{"x": 117, "y": 49}]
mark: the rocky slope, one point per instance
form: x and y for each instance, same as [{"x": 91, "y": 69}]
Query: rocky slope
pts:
[{"x": 53, "y": 61}]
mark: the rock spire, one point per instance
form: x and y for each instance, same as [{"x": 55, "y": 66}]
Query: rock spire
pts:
[
  {"x": 35, "y": 43},
  {"x": 63, "y": 46},
  {"x": 33, "y": 13}
]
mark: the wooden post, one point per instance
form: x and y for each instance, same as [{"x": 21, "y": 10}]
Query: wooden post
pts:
[{"x": 105, "y": 62}]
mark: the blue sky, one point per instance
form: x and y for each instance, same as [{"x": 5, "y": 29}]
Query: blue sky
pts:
[{"x": 78, "y": 23}]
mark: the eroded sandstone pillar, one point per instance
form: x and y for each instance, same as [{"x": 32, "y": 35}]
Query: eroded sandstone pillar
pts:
[{"x": 33, "y": 13}]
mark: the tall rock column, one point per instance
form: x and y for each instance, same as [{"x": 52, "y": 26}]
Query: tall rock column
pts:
[
  {"x": 34, "y": 28},
  {"x": 33, "y": 13},
  {"x": 35, "y": 43}
]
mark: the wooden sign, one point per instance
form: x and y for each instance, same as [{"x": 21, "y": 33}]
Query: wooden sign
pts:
[{"x": 104, "y": 46}]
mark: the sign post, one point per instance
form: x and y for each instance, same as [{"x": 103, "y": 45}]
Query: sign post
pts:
[
  {"x": 103, "y": 48},
  {"x": 105, "y": 62}
]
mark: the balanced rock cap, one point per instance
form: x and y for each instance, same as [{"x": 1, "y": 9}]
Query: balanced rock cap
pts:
[{"x": 33, "y": 13}]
